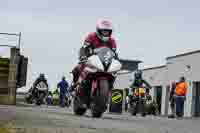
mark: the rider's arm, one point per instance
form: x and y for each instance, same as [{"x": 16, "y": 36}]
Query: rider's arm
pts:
[
  {"x": 85, "y": 51},
  {"x": 133, "y": 86},
  {"x": 36, "y": 82},
  {"x": 46, "y": 84},
  {"x": 147, "y": 84},
  {"x": 58, "y": 85},
  {"x": 114, "y": 48}
]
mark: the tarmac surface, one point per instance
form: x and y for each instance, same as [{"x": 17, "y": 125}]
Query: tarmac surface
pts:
[{"x": 24, "y": 118}]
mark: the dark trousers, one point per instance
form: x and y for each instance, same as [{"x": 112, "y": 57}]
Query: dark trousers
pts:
[
  {"x": 49, "y": 101},
  {"x": 62, "y": 98},
  {"x": 180, "y": 106},
  {"x": 172, "y": 105},
  {"x": 126, "y": 107}
]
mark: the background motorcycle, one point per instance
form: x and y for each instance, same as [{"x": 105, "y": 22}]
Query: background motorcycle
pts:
[
  {"x": 29, "y": 96},
  {"x": 40, "y": 92},
  {"x": 100, "y": 72},
  {"x": 152, "y": 107},
  {"x": 68, "y": 98},
  {"x": 138, "y": 102}
]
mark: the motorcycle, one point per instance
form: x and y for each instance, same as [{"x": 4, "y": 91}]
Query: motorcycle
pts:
[
  {"x": 29, "y": 97},
  {"x": 152, "y": 108},
  {"x": 99, "y": 75},
  {"x": 68, "y": 98},
  {"x": 40, "y": 92},
  {"x": 138, "y": 102}
]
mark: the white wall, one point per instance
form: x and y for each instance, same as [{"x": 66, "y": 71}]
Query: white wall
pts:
[
  {"x": 123, "y": 81},
  {"x": 177, "y": 67},
  {"x": 155, "y": 77}
]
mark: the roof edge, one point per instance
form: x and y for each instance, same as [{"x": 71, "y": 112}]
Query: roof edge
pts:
[
  {"x": 128, "y": 60},
  {"x": 184, "y": 54},
  {"x": 156, "y": 67}
]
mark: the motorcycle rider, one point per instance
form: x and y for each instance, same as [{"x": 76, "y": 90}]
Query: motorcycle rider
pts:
[
  {"x": 64, "y": 86},
  {"x": 41, "y": 78},
  {"x": 139, "y": 81},
  {"x": 49, "y": 98},
  {"x": 101, "y": 38}
]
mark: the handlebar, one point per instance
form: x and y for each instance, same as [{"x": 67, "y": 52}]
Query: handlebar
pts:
[{"x": 141, "y": 87}]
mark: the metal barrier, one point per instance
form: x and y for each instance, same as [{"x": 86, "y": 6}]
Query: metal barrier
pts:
[{"x": 12, "y": 75}]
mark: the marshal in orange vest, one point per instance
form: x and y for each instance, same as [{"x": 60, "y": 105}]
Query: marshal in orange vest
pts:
[{"x": 181, "y": 89}]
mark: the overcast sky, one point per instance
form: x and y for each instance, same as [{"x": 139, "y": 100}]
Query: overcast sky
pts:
[{"x": 53, "y": 30}]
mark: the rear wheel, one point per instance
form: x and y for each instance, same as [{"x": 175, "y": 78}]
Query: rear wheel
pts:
[
  {"x": 142, "y": 107},
  {"x": 134, "y": 109},
  {"x": 78, "y": 110},
  {"x": 133, "y": 106}
]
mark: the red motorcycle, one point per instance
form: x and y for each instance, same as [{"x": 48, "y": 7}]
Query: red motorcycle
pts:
[{"x": 96, "y": 82}]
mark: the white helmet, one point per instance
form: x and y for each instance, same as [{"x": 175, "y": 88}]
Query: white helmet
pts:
[{"x": 104, "y": 29}]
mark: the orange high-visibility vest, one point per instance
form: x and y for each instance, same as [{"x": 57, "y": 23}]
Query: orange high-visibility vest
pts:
[{"x": 181, "y": 89}]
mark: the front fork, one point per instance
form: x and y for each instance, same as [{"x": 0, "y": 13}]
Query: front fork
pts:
[{"x": 94, "y": 87}]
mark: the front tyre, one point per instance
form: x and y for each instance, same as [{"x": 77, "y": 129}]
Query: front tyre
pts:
[
  {"x": 99, "y": 103},
  {"x": 40, "y": 99}
]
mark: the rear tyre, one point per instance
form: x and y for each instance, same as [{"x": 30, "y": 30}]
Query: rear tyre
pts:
[
  {"x": 133, "y": 109},
  {"x": 97, "y": 114},
  {"x": 143, "y": 114},
  {"x": 78, "y": 110},
  {"x": 142, "y": 107},
  {"x": 38, "y": 102},
  {"x": 134, "y": 112}
]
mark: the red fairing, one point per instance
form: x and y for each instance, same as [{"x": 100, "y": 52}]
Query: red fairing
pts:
[
  {"x": 93, "y": 39},
  {"x": 100, "y": 76},
  {"x": 94, "y": 86}
]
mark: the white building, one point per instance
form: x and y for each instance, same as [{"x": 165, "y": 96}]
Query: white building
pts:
[
  {"x": 180, "y": 65},
  {"x": 125, "y": 76},
  {"x": 123, "y": 80},
  {"x": 155, "y": 76}
]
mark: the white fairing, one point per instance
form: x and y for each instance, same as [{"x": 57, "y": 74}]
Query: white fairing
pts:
[
  {"x": 42, "y": 86},
  {"x": 114, "y": 66},
  {"x": 95, "y": 62},
  {"x": 42, "y": 89},
  {"x": 89, "y": 69}
]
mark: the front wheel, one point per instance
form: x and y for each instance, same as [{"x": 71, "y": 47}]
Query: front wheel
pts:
[
  {"x": 96, "y": 114},
  {"x": 99, "y": 103},
  {"x": 40, "y": 99}
]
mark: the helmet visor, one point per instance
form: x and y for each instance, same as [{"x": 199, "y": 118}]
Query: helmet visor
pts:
[{"x": 105, "y": 33}]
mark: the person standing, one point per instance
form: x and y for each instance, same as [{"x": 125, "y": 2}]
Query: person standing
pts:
[
  {"x": 172, "y": 99},
  {"x": 126, "y": 103},
  {"x": 180, "y": 92},
  {"x": 63, "y": 85}
]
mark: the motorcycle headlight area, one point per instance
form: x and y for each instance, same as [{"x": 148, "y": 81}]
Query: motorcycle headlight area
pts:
[
  {"x": 114, "y": 66},
  {"x": 95, "y": 62},
  {"x": 41, "y": 86}
]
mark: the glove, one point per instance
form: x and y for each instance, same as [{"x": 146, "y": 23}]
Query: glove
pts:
[
  {"x": 83, "y": 59},
  {"x": 116, "y": 56}
]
